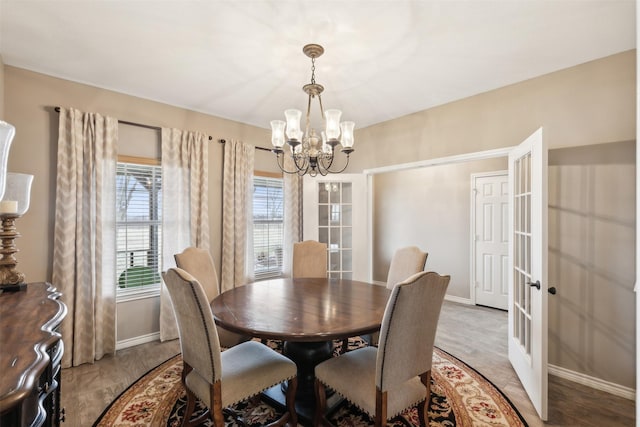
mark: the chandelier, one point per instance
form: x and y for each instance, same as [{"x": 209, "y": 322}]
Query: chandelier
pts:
[{"x": 312, "y": 153}]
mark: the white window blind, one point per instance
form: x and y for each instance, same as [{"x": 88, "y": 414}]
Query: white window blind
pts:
[
  {"x": 138, "y": 226},
  {"x": 268, "y": 228}
]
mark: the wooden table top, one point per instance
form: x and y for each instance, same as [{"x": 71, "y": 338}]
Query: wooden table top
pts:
[{"x": 307, "y": 310}]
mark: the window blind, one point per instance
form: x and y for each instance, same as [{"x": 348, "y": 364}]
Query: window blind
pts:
[
  {"x": 268, "y": 227},
  {"x": 138, "y": 225}
]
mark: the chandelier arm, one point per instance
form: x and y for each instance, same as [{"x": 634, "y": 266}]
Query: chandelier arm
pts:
[
  {"x": 303, "y": 172},
  {"x": 302, "y": 169},
  {"x": 341, "y": 170},
  {"x": 298, "y": 165},
  {"x": 326, "y": 160},
  {"x": 280, "y": 163},
  {"x": 323, "y": 171}
]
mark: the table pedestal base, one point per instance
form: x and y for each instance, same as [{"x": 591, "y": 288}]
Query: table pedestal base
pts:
[{"x": 306, "y": 355}]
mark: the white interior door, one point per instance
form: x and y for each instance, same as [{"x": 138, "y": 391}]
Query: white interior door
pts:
[
  {"x": 528, "y": 248},
  {"x": 334, "y": 210},
  {"x": 490, "y": 237}
]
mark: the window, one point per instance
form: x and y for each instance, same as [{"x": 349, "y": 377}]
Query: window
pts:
[
  {"x": 138, "y": 226},
  {"x": 268, "y": 227}
]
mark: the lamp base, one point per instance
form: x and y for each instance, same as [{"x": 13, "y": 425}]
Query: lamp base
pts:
[{"x": 13, "y": 287}]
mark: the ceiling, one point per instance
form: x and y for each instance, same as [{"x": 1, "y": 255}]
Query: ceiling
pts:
[{"x": 243, "y": 60}]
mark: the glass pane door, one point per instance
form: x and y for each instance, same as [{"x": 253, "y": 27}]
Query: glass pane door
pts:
[{"x": 335, "y": 226}]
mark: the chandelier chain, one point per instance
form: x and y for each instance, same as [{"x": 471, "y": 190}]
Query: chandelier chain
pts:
[{"x": 313, "y": 71}]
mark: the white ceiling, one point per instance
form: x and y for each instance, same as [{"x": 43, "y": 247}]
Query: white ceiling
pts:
[{"x": 243, "y": 60}]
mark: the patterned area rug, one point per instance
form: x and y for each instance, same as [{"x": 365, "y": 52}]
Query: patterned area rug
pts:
[{"x": 460, "y": 396}]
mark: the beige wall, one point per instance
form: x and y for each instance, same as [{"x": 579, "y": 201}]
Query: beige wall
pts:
[
  {"x": 2, "y": 90},
  {"x": 591, "y": 109},
  {"x": 30, "y": 98},
  {"x": 592, "y": 224},
  {"x": 592, "y": 103},
  {"x": 429, "y": 208}
]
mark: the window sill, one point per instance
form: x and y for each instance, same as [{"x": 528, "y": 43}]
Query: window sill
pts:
[
  {"x": 260, "y": 277},
  {"x": 144, "y": 292}
]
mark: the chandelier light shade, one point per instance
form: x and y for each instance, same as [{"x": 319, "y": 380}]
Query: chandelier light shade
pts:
[{"x": 311, "y": 152}]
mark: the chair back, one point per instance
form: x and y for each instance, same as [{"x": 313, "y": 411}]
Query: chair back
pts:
[
  {"x": 198, "y": 263},
  {"x": 409, "y": 328},
  {"x": 198, "y": 334},
  {"x": 405, "y": 263},
  {"x": 309, "y": 259}
]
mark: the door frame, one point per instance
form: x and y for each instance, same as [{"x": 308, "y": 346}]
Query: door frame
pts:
[
  {"x": 359, "y": 202},
  {"x": 458, "y": 158},
  {"x": 472, "y": 229}
]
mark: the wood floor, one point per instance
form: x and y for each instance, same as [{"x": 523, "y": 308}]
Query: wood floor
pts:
[{"x": 476, "y": 335}]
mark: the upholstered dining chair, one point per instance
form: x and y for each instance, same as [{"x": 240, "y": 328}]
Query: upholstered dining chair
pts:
[
  {"x": 309, "y": 259},
  {"x": 395, "y": 376},
  {"x": 221, "y": 378},
  {"x": 405, "y": 263},
  {"x": 198, "y": 263}
]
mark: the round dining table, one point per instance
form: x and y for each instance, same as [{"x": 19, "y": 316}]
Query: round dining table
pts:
[{"x": 307, "y": 314}]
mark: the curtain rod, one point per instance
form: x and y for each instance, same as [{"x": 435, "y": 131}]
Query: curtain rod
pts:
[
  {"x": 222, "y": 141},
  {"x": 57, "y": 109}
]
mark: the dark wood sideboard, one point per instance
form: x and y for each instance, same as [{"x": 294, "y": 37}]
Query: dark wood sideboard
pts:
[{"x": 30, "y": 354}]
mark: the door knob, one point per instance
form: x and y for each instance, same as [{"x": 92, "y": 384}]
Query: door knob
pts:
[{"x": 535, "y": 284}]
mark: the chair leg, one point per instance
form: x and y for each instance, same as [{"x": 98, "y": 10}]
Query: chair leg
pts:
[
  {"x": 292, "y": 387},
  {"x": 423, "y": 408},
  {"x": 191, "y": 404},
  {"x": 216, "y": 404},
  {"x": 345, "y": 345},
  {"x": 290, "y": 414},
  {"x": 191, "y": 398},
  {"x": 321, "y": 403},
  {"x": 381, "y": 408}
]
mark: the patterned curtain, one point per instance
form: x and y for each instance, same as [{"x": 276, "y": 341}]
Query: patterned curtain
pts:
[
  {"x": 237, "y": 215},
  {"x": 84, "y": 250},
  {"x": 292, "y": 184},
  {"x": 185, "y": 214}
]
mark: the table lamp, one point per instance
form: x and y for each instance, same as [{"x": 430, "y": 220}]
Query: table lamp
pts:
[{"x": 13, "y": 205}]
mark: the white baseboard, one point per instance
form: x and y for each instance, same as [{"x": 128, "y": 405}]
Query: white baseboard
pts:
[
  {"x": 130, "y": 342},
  {"x": 596, "y": 383},
  {"x": 460, "y": 300}
]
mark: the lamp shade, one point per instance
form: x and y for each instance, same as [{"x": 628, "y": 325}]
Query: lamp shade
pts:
[
  {"x": 332, "y": 118},
  {"x": 347, "y": 134},
  {"x": 17, "y": 194},
  {"x": 293, "y": 124},
  {"x": 7, "y": 132},
  {"x": 277, "y": 133}
]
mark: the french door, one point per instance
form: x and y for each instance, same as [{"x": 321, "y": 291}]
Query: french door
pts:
[
  {"x": 335, "y": 213},
  {"x": 528, "y": 285}
]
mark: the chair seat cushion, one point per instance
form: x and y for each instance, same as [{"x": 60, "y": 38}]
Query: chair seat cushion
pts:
[
  {"x": 247, "y": 369},
  {"x": 353, "y": 376}
]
